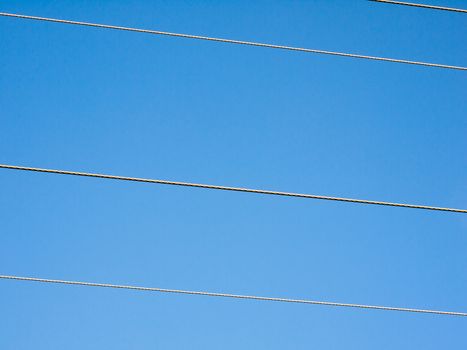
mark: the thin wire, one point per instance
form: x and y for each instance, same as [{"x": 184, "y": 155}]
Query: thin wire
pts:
[
  {"x": 228, "y": 188},
  {"x": 236, "y": 296},
  {"x": 230, "y": 41},
  {"x": 432, "y": 7}
]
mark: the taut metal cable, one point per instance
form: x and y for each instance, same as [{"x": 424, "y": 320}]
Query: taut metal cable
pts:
[
  {"x": 235, "y": 296},
  {"x": 230, "y": 41},
  {"x": 228, "y": 188},
  {"x": 432, "y": 7}
]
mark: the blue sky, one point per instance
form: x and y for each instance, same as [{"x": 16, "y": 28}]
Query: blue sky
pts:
[{"x": 139, "y": 105}]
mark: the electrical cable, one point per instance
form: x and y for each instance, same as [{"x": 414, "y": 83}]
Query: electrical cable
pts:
[
  {"x": 230, "y": 41},
  {"x": 228, "y": 188},
  {"x": 235, "y": 296},
  {"x": 432, "y": 7}
]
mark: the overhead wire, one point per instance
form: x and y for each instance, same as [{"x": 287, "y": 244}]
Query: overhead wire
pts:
[
  {"x": 228, "y": 188},
  {"x": 177, "y": 183},
  {"x": 235, "y": 296},
  {"x": 231, "y": 41},
  {"x": 432, "y": 7}
]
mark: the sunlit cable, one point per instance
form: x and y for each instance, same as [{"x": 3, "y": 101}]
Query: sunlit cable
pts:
[
  {"x": 235, "y": 296},
  {"x": 432, "y": 7},
  {"x": 228, "y": 188},
  {"x": 230, "y": 41}
]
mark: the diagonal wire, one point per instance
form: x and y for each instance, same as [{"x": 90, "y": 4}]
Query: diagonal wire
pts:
[
  {"x": 230, "y": 41},
  {"x": 235, "y": 296},
  {"x": 432, "y": 7},
  {"x": 228, "y": 188}
]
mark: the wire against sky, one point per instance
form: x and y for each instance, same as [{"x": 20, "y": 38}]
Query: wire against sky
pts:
[
  {"x": 432, "y": 7},
  {"x": 230, "y": 41},
  {"x": 228, "y": 188},
  {"x": 235, "y": 296}
]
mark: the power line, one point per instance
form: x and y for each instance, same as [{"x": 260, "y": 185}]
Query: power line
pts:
[
  {"x": 235, "y": 296},
  {"x": 432, "y": 7},
  {"x": 228, "y": 188},
  {"x": 230, "y": 41}
]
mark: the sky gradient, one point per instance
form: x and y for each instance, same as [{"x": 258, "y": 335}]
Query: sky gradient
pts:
[{"x": 146, "y": 106}]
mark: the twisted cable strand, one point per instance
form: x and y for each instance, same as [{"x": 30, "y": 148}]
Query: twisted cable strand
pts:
[
  {"x": 432, "y": 7},
  {"x": 228, "y": 188},
  {"x": 235, "y": 296},
  {"x": 231, "y": 41}
]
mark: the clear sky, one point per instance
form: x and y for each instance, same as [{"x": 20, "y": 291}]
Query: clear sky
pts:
[{"x": 140, "y": 105}]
